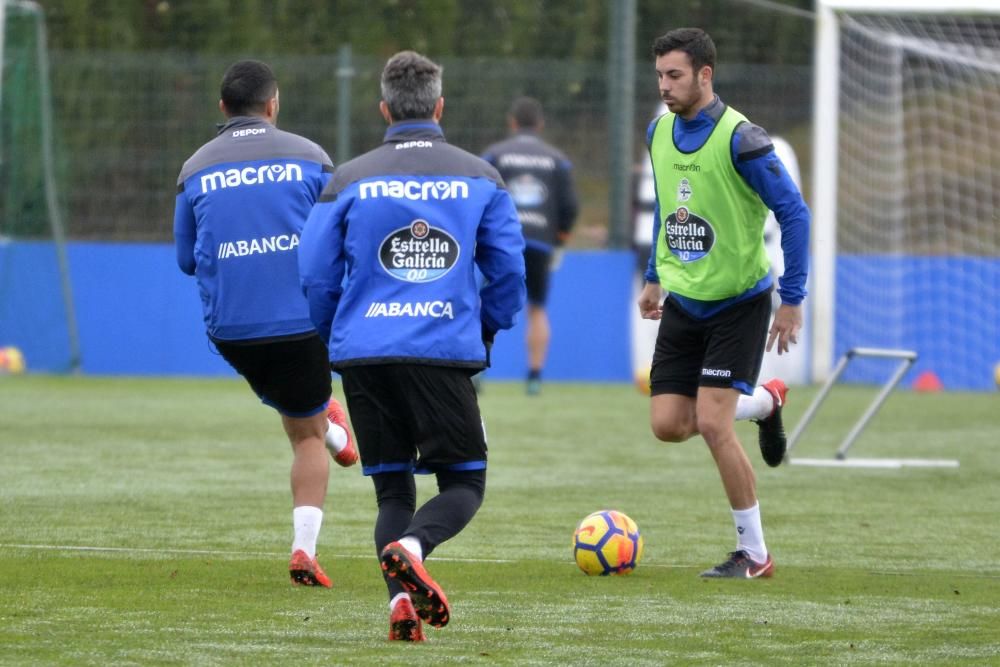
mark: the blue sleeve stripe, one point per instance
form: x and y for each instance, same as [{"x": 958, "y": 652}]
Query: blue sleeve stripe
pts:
[{"x": 750, "y": 155}]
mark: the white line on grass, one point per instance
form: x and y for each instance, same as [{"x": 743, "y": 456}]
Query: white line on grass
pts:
[
  {"x": 211, "y": 552},
  {"x": 267, "y": 554}
]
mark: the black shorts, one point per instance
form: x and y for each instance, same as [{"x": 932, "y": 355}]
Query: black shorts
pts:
[
  {"x": 290, "y": 375},
  {"x": 414, "y": 418},
  {"x": 537, "y": 266},
  {"x": 725, "y": 350}
]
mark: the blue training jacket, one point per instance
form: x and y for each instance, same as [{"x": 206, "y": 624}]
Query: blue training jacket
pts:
[
  {"x": 389, "y": 253},
  {"x": 242, "y": 200}
]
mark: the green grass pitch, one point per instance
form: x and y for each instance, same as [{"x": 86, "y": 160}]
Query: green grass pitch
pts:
[{"x": 148, "y": 522}]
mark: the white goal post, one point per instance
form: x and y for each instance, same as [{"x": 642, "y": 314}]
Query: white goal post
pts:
[{"x": 898, "y": 29}]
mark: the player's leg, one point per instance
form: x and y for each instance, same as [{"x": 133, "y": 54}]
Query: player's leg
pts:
[
  {"x": 460, "y": 495},
  {"x": 764, "y": 407},
  {"x": 310, "y": 460},
  {"x": 734, "y": 346},
  {"x": 538, "y": 334},
  {"x": 309, "y": 477},
  {"x": 448, "y": 429},
  {"x": 376, "y": 399},
  {"x": 715, "y": 409},
  {"x": 293, "y": 377},
  {"x": 674, "y": 375},
  {"x": 764, "y": 403},
  {"x": 396, "y": 496}
]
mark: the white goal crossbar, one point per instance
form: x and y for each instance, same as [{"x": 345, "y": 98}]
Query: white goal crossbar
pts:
[{"x": 906, "y": 360}]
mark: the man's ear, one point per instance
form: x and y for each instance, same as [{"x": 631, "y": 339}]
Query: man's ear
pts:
[
  {"x": 384, "y": 109},
  {"x": 705, "y": 75},
  {"x": 438, "y": 110}
]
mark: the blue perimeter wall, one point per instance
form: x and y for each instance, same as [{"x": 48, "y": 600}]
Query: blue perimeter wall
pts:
[{"x": 137, "y": 314}]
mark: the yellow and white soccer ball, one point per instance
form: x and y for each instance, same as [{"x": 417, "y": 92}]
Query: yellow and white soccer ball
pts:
[
  {"x": 607, "y": 542},
  {"x": 641, "y": 378},
  {"x": 11, "y": 360}
]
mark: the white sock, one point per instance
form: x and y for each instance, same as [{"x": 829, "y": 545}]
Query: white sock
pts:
[
  {"x": 336, "y": 438},
  {"x": 758, "y": 406},
  {"x": 750, "y": 534},
  {"x": 395, "y": 600},
  {"x": 306, "y": 521},
  {"x": 412, "y": 545}
]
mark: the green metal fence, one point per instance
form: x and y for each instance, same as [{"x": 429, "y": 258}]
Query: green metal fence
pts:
[{"x": 126, "y": 121}]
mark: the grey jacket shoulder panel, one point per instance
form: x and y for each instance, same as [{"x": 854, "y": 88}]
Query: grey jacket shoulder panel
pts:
[
  {"x": 751, "y": 141},
  {"x": 248, "y": 140},
  {"x": 392, "y": 158}
]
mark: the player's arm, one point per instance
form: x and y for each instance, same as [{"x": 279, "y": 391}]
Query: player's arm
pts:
[
  {"x": 651, "y": 298},
  {"x": 325, "y": 172},
  {"x": 321, "y": 261},
  {"x": 568, "y": 203},
  {"x": 185, "y": 231},
  {"x": 759, "y": 165},
  {"x": 500, "y": 257}
]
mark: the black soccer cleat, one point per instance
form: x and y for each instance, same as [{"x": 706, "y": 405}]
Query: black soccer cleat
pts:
[
  {"x": 771, "y": 430},
  {"x": 740, "y": 566}
]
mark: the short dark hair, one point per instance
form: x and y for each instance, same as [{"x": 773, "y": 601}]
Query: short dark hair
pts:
[
  {"x": 247, "y": 86},
  {"x": 695, "y": 42},
  {"x": 411, "y": 86},
  {"x": 527, "y": 112}
]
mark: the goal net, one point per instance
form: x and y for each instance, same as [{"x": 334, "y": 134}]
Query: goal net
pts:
[
  {"x": 36, "y": 303},
  {"x": 907, "y": 186}
]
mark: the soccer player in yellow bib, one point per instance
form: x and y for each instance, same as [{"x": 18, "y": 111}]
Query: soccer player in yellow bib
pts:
[{"x": 716, "y": 176}]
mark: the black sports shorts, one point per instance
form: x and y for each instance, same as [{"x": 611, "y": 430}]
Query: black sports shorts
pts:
[
  {"x": 292, "y": 375},
  {"x": 537, "y": 266},
  {"x": 725, "y": 350},
  {"x": 410, "y": 417}
]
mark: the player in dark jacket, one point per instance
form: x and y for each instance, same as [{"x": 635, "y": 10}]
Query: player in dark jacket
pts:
[
  {"x": 539, "y": 179},
  {"x": 242, "y": 199},
  {"x": 388, "y": 261}
]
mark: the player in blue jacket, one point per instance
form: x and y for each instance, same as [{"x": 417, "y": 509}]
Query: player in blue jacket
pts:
[
  {"x": 387, "y": 261},
  {"x": 242, "y": 199}
]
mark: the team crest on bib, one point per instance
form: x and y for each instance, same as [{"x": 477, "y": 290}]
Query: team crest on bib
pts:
[
  {"x": 684, "y": 190},
  {"x": 527, "y": 191},
  {"x": 689, "y": 236},
  {"x": 418, "y": 253}
]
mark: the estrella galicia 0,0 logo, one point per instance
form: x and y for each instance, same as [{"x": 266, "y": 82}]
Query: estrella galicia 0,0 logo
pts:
[{"x": 418, "y": 253}]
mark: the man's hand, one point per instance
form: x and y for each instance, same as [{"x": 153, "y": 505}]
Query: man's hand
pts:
[
  {"x": 785, "y": 328},
  {"x": 651, "y": 302},
  {"x": 488, "y": 335}
]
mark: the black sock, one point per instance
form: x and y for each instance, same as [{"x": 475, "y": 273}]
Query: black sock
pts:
[{"x": 396, "y": 495}]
